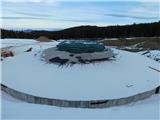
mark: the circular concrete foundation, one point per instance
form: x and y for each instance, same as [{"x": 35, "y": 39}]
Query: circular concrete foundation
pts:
[
  {"x": 110, "y": 83},
  {"x": 78, "y": 104}
]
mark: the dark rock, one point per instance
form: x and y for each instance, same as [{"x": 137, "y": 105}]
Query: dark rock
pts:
[
  {"x": 71, "y": 55},
  {"x": 30, "y": 49},
  {"x": 81, "y": 61},
  {"x": 72, "y": 62},
  {"x": 58, "y": 60},
  {"x": 78, "y": 57}
]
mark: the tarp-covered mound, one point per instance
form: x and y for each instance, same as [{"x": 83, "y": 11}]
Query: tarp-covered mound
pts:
[{"x": 80, "y": 46}]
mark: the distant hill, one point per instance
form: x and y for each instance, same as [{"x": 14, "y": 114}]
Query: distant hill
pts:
[{"x": 90, "y": 32}]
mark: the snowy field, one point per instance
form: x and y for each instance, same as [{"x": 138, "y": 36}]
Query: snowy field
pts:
[
  {"x": 12, "y": 109},
  {"x": 153, "y": 54}
]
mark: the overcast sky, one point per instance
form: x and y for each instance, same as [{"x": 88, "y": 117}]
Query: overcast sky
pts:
[{"x": 59, "y": 14}]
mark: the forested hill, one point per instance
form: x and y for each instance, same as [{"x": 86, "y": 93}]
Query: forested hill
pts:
[{"x": 85, "y": 32}]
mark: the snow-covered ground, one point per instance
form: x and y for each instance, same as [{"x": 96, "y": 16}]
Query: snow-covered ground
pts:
[
  {"x": 12, "y": 109},
  {"x": 131, "y": 38},
  {"x": 15, "y": 109},
  {"x": 153, "y": 54},
  {"x": 118, "y": 78},
  {"x": 16, "y": 42}
]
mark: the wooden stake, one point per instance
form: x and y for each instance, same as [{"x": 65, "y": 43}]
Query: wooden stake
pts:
[{"x": 154, "y": 69}]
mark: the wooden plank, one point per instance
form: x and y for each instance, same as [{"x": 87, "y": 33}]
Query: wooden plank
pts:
[{"x": 154, "y": 69}]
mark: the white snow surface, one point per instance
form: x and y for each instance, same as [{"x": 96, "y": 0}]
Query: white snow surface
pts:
[
  {"x": 15, "y": 109},
  {"x": 128, "y": 75},
  {"x": 153, "y": 54},
  {"x": 16, "y": 42}
]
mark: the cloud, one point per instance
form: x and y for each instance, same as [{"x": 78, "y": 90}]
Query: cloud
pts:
[
  {"x": 53, "y": 1},
  {"x": 42, "y": 18},
  {"x": 130, "y": 16},
  {"x": 31, "y": 1},
  {"x": 27, "y": 13},
  {"x": 11, "y": 18},
  {"x": 146, "y": 7}
]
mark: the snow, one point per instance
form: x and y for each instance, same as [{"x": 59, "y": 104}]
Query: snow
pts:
[
  {"x": 15, "y": 109},
  {"x": 108, "y": 39},
  {"x": 131, "y": 38},
  {"x": 153, "y": 54},
  {"x": 16, "y": 42},
  {"x": 106, "y": 80},
  {"x": 146, "y": 109}
]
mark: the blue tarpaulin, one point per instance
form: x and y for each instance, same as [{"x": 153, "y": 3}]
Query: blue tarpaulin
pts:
[{"x": 80, "y": 46}]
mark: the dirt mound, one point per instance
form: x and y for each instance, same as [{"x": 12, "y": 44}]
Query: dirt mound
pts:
[{"x": 43, "y": 39}]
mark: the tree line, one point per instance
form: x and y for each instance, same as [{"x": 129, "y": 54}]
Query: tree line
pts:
[{"x": 90, "y": 32}]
